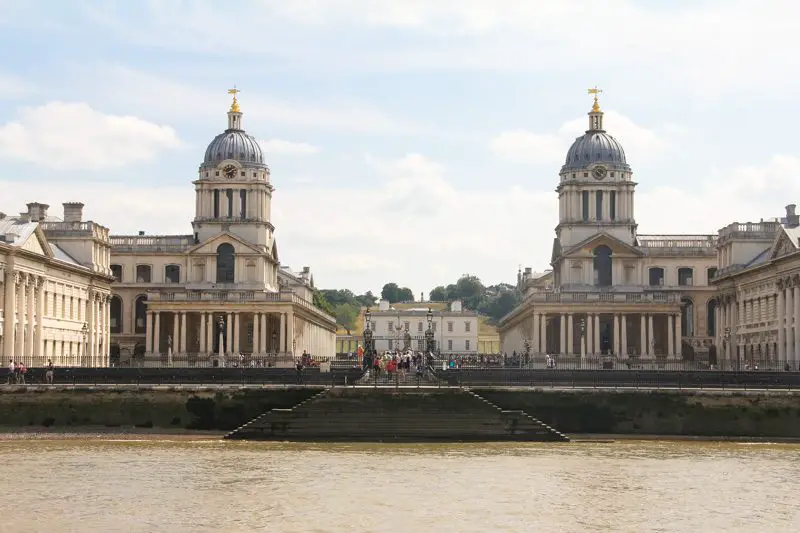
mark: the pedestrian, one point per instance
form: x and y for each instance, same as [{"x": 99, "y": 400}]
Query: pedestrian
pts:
[
  {"x": 49, "y": 374},
  {"x": 12, "y": 378}
]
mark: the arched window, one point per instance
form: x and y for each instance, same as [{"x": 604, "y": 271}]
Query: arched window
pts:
[
  {"x": 687, "y": 317},
  {"x": 116, "y": 314},
  {"x": 140, "y": 311},
  {"x": 225, "y": 263},
  {"x": 172, "y": 274},
  {"x": 711, "y": 317},
  {"x": 602, "y": 266},
  {"x": 656, "y": 276}
]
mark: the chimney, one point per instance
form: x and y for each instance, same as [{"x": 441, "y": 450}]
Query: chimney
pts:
[
  {"x": 73, "y": 211},
  {"x": 792, "y": 219},
  {"x": 24, "y": 218},
  {"x": 37, "y": 211},
  {"x": 141, "y": 233}
]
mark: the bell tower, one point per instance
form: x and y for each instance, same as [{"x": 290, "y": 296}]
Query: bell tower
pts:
[
  {"x": 233, "y": 190},
  {"x": 595, "y": 189}
]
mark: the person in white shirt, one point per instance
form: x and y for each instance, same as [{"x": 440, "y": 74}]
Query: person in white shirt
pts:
[{"x": 12, "y": 377}]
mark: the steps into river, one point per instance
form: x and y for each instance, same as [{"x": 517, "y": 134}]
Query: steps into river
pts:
[{"x": 396, "y": 415}]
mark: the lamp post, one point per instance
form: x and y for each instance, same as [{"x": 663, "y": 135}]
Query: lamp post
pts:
[
  {"x": 85, "y": 334},
  {"x": 368, "y": 350},
  {"x": 727, "y": 336},
  {"x": 429, "y": 342},
  {"x": 583, "y": 337}
]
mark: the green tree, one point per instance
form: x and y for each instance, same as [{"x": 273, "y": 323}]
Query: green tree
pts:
[
  {"x": 469, "y": 290},
  {"x": 405, "y": 295},
  {"x": 321, "y": 302},
  {"x": 438, "y": 294},
  {"x": 367, "y": 299},
  {"x": 390, "y": 292},
  {"x": 346, "y": 315}
]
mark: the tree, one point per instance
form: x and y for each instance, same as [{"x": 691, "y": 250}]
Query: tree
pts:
[
  {"x": 470, "y": 291},
  {"x": 367, "y": 299},
  {"x": 389, "y": 292},
  {"x": 438, "y": 294},
  {"x": 346, "y": 315},
  {"x": 405, "y": 295},
  {"x": 322, "y": 303}
]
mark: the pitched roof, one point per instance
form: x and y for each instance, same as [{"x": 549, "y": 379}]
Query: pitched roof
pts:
[{"x": 15, "y": 231}]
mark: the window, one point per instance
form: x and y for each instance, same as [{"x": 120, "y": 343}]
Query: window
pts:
[
  {"x": 612, "y": 174},
  {"x": 450, "y": 327},
  {"x": 656, "y": 276},
  {"x": 143, "y": 274},
  {"x": 467, "y": 326},
  {"x": 573, "y": 175},
  {"x": 116, "y": 314},
  {"x": 710, "y": 273},
  {"x": 390, "y": 326},
  {"x": 216, "y": 203},
  {"x": 711, "y": 317},
  {"x": 450, "y": 345},
  {"x": 433, "y": 324},
  {"x": 602, "y": 266},
  {"x": 225, "y": 263},
  {"x": 242, "y": 170},
  {"x": 687, "y": 317},
  {"x": 466, "y": 345},
  {"x": 172, "y": 274},
  {"x": 685, "y": 276},
  {"x": 391, "y": 344},
  {"x": 406, "y": 326},
  {"x": 216, "y": 173},
  {"x": 140, "y": 311},
  {"x": 585, "y": 205},
  {"x": 419, "y": 326},
  {"x": 598, "y": 205},
  {"x": 585, "y": 174},
  {"x": 612, "y": 204},
  {"x": 243, "y": 202},
  {"x": 116, "y": 271}
]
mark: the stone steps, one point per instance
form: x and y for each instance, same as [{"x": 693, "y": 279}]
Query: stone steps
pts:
[{"x": 559, "y": 436}]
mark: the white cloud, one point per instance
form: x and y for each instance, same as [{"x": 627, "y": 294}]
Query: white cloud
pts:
[
  {"x": 281, "y": 147},
  {"x": 550, "y": 148},
  {"x": 63, "y": 136},
  {"x": 416, "y": 227},
  {"x": 12, "y": 86}
]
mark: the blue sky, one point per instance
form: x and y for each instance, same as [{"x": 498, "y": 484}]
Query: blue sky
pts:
[{"x": 409, "y": 141}]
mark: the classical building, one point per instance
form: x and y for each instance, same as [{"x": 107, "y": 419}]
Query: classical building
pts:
[
  {"x": 759, "y": 292},
  {"x": 455, "y": 329},
  {"x": 197, "y": 298},
  {"x": 613, "y": 291},
  {"x": 55, "y": 277}
]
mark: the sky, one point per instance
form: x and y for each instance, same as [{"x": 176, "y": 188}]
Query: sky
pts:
[{"x": 409, "y": 141}]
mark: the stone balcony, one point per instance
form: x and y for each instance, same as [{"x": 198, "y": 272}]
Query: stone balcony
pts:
[
  {"x": 86, "y": 229},
  {"x": 758, "y": 231},
  {"x": 151, "y": 243},
  {"x": 610, "y": 297},
  {"x": 683, "y": 245}
]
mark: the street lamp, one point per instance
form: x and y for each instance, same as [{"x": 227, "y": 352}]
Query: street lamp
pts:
[
  {"x": 727, "y": 336},
  {"x": 583, "y": 337},
  {"x": 429, "y": 333},
  {"x": 85, "y": 334}
]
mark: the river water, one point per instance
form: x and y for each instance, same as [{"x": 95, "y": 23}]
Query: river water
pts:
[{"x": 165, "y": 484}]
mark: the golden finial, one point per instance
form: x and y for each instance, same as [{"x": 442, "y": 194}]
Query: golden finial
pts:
[
  {"x": 595, "y": 91},
  {"x": 235, "y": 104}
]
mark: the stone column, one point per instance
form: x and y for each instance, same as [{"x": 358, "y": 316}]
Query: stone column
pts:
[
  {"x": 211, "y": 332},
  {"x": 203, "y": 320},
  {"x": 535, "y": 334},
  {"x": 107, "y": 332},
  {"x": 624, "y": 335},
  {"x": 9, "y": 310},
  {"x": 264, "y": 332},
  {"x": 670, "y": 336},
  {"x": 796, "y": 300},
  {"x": 282, "y": 335},
  {"x": 592, "y": 205},
  {"x": 256, "y": 332},
  {"x": 589, "y": 334},
  {"x": 651, "y": 338},
  {"x": 616, "y": 335},
  {"x": 643, "y": 335},
  {"x": 789, "y": 322},
  {"x": 290, "y": 333},
  {"x": 157, "y": 332},
  {"x": 237, "y": 328},
  {"x": 148, "y": 342},
  {"x": 597, "y": 334},
  {"x": 19, "y": 353},
  {"x": 40, "y": 355},
  {"x": 175, "y": 332},
  {"x": 30, "y": 344},
  {"x": 543, "y": 320},
  {"x": 781, "y": 323},
  {"x": 717, "y": 326},
  {"x": 570, "y": 334},
  {"x": 678, "y": 337},
  {"x": 562, "y": 346},
  {"x": 183, "y": 332},
  {"x": 229, "y": 335}
]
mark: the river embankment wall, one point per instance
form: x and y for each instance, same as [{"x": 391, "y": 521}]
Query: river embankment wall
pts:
[{"x": 606, "y": 412}]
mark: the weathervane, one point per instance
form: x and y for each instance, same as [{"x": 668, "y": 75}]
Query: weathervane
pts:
[
  {"x": 235, "y": 104},
  {"x": 595, "y": 91}
]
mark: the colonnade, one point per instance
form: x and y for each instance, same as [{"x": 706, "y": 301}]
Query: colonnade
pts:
[
  {"x": 572, "y": 207},
  {"x": 589, "y": 325},
  {"x": 77, "y": 335},
  {"x": 255, "y": 200},
  {"x": 266, "y": 337}
]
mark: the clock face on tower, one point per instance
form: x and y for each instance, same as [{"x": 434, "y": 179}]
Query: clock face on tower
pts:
[
  {"x": 599, "y": 172},
  {"x": 229, "y": 171}
]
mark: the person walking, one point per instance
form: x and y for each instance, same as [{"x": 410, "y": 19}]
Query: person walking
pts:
[
  {"x": 12, "y": 374},
  {"x": 48, "y": 375}
]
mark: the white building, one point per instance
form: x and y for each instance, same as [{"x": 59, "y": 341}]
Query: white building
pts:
[
  {"x": 55, "y": 277},
  {"x": 759, "y": 292},
  {"x": 184, "y": 299},
  {"x": 455, "y": 329},
  {"x": 613, "y": 290}
]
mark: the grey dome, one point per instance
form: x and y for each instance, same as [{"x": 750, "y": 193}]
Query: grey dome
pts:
[
  {"x": 234, "y": 144},
  {"x": 595, "y": 146}
]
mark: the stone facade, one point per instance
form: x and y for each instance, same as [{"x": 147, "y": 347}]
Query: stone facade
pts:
[
  {"x": 613, "y": 291},
  {"x": 220, "y": 291},
  {"x": 55, "y": 278},
  {"x": 759, "y": 293}
]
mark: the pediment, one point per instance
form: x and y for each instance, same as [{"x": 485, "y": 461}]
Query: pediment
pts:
[
  {"x": 783, "y": 245},
  {"x": 210, "y": 246},
  {"x": 37, "y": 243},
  {"x": 586, "y": 248}
]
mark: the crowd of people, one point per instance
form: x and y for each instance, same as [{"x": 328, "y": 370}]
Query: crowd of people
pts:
[{"x": 17, "y": 372}]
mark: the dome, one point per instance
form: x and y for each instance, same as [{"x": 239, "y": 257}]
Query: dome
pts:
[
  {"x": 595, "y": 146},
  {"x": 234, "y": 144}
]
